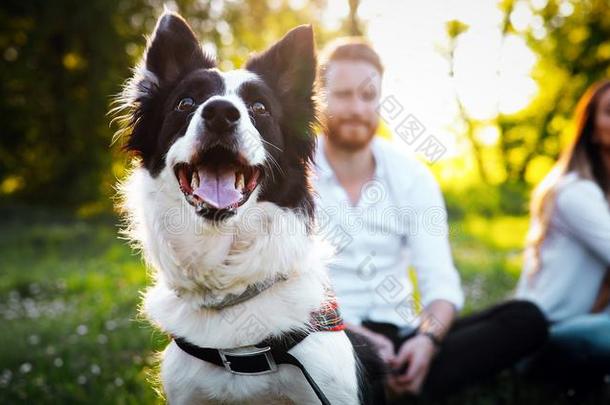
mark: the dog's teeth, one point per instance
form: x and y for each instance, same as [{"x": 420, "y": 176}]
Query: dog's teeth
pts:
[
  {"x": 195, "y": 180},
  {"x": 239, "y": 181}
]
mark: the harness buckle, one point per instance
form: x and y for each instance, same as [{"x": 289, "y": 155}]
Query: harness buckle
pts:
[{"x": 264, "y": 353}]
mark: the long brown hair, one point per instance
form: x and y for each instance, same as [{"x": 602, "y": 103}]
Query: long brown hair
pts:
[{"x": 582, "y": 156}]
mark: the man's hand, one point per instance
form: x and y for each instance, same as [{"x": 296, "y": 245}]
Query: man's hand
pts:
[{"x": 417, "y": 353}]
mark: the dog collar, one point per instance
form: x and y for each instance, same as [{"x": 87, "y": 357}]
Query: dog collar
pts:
[{"x": 250, "y": 292}]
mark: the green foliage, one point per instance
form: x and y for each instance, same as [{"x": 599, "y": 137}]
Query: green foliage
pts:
[
  {"x": 571, "y": 41},
  {"x": 490, "y": 201},
  {"x": 573, "y": 53},
  {"x": 62, "y": 61},
  {"x": 455, "y": 28}
]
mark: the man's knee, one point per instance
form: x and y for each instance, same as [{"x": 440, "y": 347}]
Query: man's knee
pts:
[{"x": 526, "y": 317}]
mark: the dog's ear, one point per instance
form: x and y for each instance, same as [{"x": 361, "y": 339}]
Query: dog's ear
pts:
[
  {"x": 289, "y": 66},
  {"x": 174, "y": 51}
]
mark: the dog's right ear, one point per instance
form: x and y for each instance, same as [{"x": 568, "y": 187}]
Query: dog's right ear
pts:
[
  {"x": 173, "y": 50},
  {"x": 289, "y": 66}
]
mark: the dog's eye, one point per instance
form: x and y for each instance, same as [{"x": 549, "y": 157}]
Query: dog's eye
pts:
[
  {"x": 186, "y": 104},
  {"x": 259, "y": 108}
]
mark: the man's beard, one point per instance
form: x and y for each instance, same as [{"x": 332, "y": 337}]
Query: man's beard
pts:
[{"x": 350, "y": 139}]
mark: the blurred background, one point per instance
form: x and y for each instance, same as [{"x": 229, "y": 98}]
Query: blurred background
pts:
[{"x": 492, "y": 83}]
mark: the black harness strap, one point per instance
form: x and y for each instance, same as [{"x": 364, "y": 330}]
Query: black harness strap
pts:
[
  {"x": 270, "y": 353},
  {"x": 264, "y": 357}
]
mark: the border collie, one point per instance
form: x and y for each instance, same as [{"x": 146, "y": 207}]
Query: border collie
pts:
[{"x": 220, "y": 204}]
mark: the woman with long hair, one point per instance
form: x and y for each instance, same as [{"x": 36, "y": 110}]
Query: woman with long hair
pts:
[{"x": 567, "y": 261}]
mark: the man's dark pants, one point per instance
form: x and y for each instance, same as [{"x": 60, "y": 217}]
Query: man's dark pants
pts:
[{"x": 478, "y": 346}]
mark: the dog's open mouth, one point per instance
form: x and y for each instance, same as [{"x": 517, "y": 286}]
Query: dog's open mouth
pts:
[{"x": 218, "y": 182}]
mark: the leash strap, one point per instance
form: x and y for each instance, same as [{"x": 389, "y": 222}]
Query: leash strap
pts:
[{"x": 287, "y": 358}]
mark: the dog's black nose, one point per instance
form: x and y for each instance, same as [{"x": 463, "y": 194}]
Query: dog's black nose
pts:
[{"x": 220, "y": 116}]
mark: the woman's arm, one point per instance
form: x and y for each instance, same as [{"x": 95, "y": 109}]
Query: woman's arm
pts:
[{"x": 582, "y": 208}]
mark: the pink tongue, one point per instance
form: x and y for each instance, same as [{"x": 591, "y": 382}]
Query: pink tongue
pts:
[{"x": 217, "y": 188}]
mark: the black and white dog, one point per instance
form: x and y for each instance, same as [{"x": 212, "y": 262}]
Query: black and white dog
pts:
[{"x": 220, "y": 204}]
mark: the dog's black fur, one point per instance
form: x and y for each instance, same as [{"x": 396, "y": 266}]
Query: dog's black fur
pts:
[{"x": 372, "y": 380}]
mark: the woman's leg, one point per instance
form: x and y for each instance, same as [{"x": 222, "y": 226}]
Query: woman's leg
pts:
[
  {"x": 577, "y": 355},
  {"x": 584, "y": 340}
]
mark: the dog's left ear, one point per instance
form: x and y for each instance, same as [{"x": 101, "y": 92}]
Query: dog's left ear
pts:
[
  {"x": 289, "y": 66},
  {"x": 174, "y": 50}
]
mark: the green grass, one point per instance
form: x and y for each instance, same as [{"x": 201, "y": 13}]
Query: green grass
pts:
[
  {"x": 68, "y": 303},
  {"x": 69, "y": 292}
]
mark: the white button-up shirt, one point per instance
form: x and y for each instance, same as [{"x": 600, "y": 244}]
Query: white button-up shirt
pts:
[{"x": 399, "y": 220}]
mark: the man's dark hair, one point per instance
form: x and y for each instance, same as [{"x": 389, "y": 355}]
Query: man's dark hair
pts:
[{"x": 347, "y": 49}]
